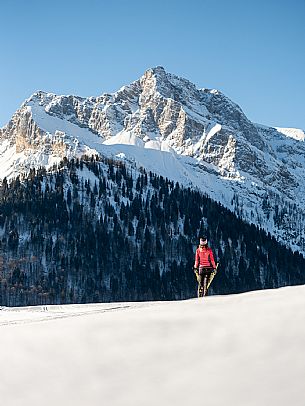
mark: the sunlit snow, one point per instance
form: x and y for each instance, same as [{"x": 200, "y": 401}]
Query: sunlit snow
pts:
[{"x": 245, "y": 349}]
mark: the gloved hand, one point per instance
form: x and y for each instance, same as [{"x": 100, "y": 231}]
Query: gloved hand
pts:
[{"x": 196, "y": 270}]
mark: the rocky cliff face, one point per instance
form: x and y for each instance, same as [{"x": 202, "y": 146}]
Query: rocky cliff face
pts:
[{"x": 255, "y": 170}]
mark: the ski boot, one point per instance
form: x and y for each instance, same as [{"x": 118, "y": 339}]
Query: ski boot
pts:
[{"x": 200, "y": 291}]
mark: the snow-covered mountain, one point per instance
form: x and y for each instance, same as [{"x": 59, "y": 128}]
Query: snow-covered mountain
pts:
[
  {"x": 152, "y": 353},
  {"x": 162, "y": 122}
]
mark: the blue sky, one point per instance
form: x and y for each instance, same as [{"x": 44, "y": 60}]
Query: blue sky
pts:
[{"x": 253, "y": 51}]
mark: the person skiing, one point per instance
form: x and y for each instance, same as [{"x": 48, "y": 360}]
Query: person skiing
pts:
[{"x": 204, "y": 266}]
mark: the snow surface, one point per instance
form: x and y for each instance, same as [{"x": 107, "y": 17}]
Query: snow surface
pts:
[
  {"x": 51, "y": 124},
  {"x": 245, "y": 349}
]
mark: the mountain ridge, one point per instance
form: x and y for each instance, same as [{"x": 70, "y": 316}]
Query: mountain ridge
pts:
[{"x": 161, "y": 121}]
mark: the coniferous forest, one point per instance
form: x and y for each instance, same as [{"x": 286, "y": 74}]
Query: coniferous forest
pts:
[{"x": 97, "y": 230}]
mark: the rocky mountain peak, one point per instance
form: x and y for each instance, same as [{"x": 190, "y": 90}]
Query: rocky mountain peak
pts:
[
  {"x": 167, "y": 85},
  {"x": 205, "y": 135}
]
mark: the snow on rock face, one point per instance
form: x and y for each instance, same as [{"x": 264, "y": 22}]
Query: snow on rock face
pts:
[
  {"x": 125, "y": 137},
  {"x": 294, "y": 133},
  {"x": 205, "y": 138}
]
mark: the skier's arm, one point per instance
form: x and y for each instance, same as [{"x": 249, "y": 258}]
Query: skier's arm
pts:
[
  {"x": 212, "y": 259},
  {"x": 196, "y": 259}
]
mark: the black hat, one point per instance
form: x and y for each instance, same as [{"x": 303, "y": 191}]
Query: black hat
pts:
[{"x": 203, "y": 240}]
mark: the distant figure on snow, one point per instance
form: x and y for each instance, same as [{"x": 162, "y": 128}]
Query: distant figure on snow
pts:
[{"x": 204, "y": 266}]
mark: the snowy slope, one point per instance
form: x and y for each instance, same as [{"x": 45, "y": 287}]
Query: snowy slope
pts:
[
  {"x": 245, "y": 349},
  {"x": 198, "y": 137}
]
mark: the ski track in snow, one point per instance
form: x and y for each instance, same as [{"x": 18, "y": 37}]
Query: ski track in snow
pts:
[
  {"x": 46, "y": 313},
  {"x": 40, "y": 313}
]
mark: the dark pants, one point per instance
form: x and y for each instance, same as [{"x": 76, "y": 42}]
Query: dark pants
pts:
[{"x": 203, "y": 277}]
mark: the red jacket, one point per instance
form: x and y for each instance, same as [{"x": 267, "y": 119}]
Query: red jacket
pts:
[{"x": 204, "y": 258}]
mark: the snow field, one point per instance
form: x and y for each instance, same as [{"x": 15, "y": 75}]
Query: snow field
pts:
[{"x": 245, "y": 349}]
